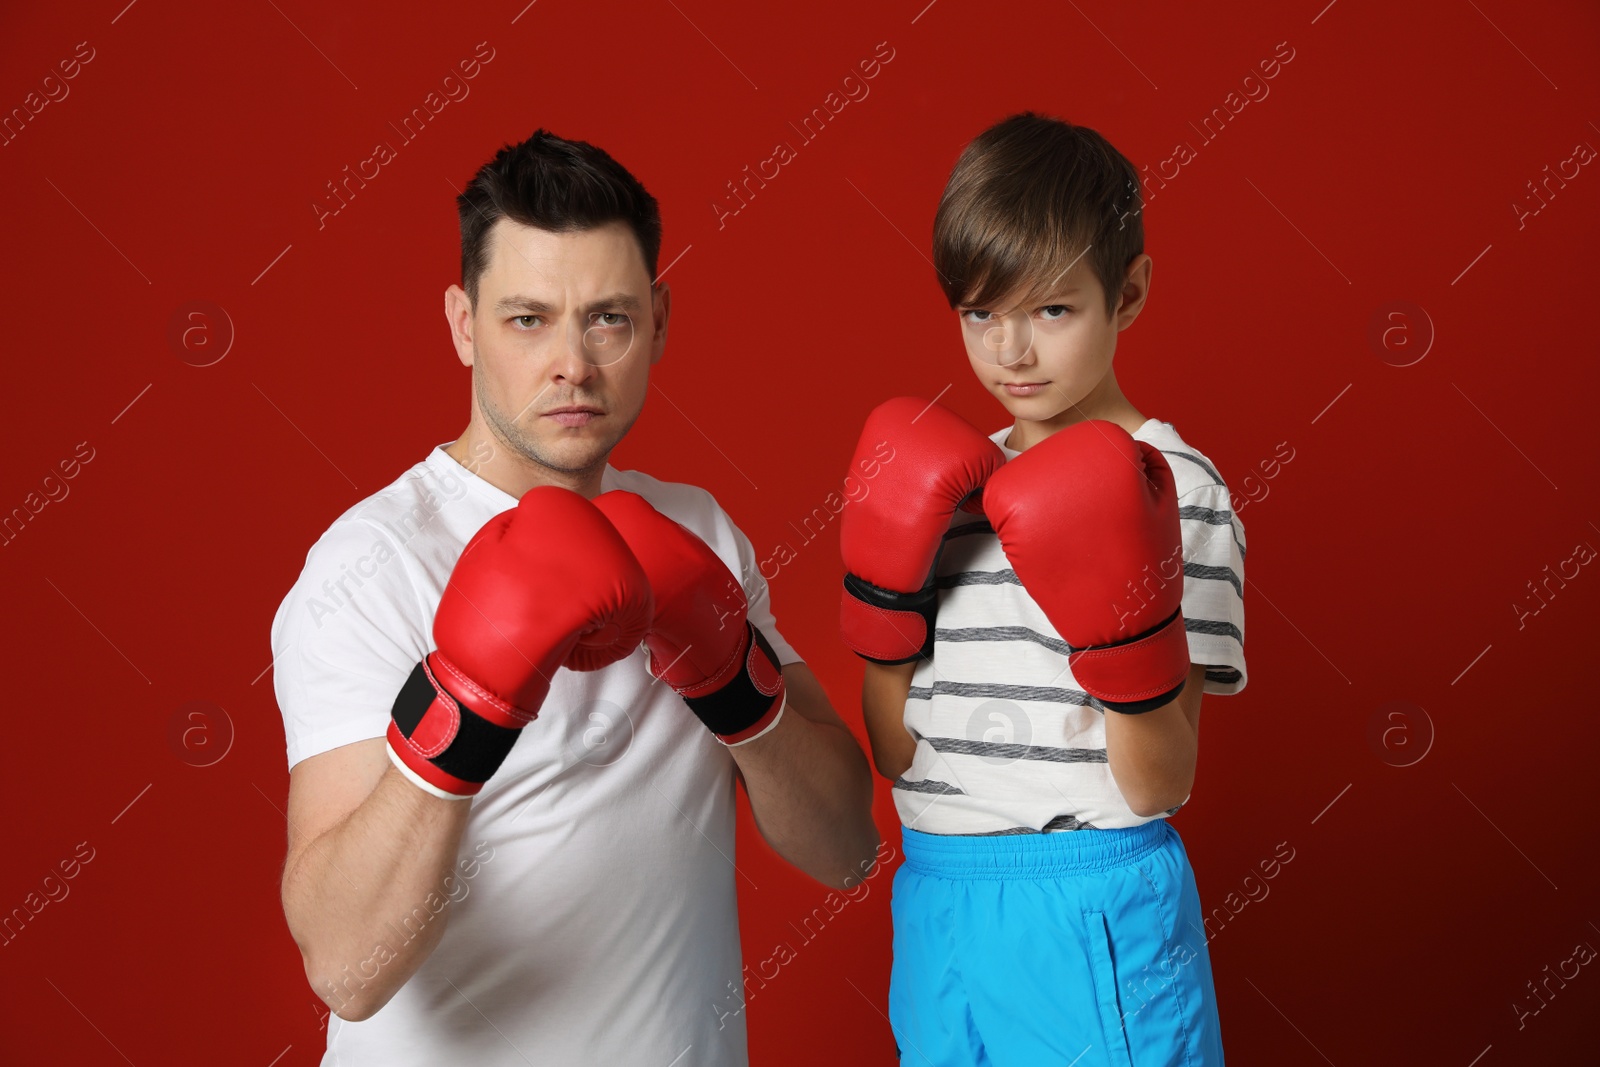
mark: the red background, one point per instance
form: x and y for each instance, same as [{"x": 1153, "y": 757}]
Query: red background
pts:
[{"x": 1385, "y": 559}]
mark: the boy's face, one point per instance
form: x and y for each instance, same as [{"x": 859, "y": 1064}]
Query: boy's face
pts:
[{"x": 1049, "y": 354}]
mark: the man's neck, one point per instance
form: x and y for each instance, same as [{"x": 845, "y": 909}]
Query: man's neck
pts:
[{"x": 514, "y": 475}]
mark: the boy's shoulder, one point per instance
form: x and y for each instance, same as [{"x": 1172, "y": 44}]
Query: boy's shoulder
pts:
[{"x": 1192, "y": 469}]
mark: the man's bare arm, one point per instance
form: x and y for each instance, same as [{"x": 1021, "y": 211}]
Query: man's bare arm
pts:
[
  {"x": 810, "y": 787},
  {"x": 366, "y": 884}
]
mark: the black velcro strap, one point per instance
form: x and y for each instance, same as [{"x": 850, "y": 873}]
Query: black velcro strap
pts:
[
  {"x": 1140, "y": 636},
  {"x": 479, "y": 747},
  {"x": 739, "y": 704},
  {"x": 1139, "y": 707}
]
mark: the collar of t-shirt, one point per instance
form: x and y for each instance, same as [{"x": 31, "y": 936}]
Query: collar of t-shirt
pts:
[{"x": 1000, "y": 435}]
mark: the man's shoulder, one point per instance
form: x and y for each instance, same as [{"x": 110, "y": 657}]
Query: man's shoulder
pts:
[
  {"x": 409, "y": 505},
  {"x": 676, "y": 499},
  {"x": 696, "y": 508},
  {"x": 1192, "y": 469},
  {"x": 369, "y": 516},
  {"x": 427, "y": 484},
  {"x": 406, "y": 518}
]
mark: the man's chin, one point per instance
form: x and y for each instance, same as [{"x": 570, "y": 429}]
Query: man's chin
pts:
[{"x": 574, "y": 451}]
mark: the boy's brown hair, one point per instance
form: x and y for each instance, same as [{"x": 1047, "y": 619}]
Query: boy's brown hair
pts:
[{"x": 1025, "y": 199}]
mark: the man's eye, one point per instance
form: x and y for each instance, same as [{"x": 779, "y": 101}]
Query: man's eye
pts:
[
  {"x": 519, "y": 319},
  {"x": 619, "y": 316}
]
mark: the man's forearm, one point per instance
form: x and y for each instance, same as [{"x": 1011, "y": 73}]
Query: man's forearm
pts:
[
  {"x": 811, "y": 793},
  {"x": 1152, "y": 757},
  {"x": 368, "y": 900}
]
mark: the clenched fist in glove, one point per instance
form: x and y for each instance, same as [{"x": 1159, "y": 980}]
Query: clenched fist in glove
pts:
[
  {"x": 700, "y": 641},
  {"x": 547, "y": 584},
  {"x": 891, "y": 538},
  {"x": 1084, "y": 516}
]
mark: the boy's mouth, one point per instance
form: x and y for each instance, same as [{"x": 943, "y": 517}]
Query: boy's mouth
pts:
[{"x": 1023, "y": 388}]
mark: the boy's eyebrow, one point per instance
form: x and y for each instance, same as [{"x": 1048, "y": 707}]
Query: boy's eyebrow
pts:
[
  {"x": 518, "y": 302},
  {"x": 1068, "y": 291}
]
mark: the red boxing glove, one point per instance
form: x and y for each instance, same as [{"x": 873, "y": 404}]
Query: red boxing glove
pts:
[
  {"x": 701, "y": 642},
  {"x": 1084, "y": 517},
  {"x": 546, "y": 584},
  {"x": 890, "y": 539}
]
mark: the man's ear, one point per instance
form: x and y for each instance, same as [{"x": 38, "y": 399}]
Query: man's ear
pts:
[
  {"x": 660, "y": 313},
  {"x": 458, "y": 313}
]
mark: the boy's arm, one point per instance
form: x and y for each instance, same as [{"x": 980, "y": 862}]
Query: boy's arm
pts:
[
  {"x": 883, "y": 706},
  {"x": 1213, "y": 544},
  {"x": 1152, "y": 755}
]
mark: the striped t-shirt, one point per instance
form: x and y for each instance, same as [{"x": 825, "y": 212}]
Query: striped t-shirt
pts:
[{"x": 1007, "y": 742}]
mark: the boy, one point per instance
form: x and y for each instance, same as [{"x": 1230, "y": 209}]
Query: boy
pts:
[{"x": 1041, "y": 610}]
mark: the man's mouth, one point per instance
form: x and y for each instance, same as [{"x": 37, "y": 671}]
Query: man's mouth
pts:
[{"x": 574, "y": 414}]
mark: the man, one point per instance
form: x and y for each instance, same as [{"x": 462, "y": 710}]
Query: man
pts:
[{"x": 575, "y": 903}]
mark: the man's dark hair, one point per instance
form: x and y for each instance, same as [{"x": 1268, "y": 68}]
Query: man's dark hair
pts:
[
  {"x": 557, "y": 185},
  {"x": 1025, "y": 199}
]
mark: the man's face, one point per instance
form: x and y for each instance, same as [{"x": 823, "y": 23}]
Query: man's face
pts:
[
  {"x": 1042, "y": 355},
  {"x": 564, "y": 331}
]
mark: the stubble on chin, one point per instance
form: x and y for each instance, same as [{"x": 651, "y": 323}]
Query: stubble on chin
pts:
[
  {"x": 520, "y": 432},
  {"x": 570, "y": 457}
]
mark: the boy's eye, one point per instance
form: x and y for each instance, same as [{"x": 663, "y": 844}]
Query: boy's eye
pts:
[{"x": 1051, "y": 312}]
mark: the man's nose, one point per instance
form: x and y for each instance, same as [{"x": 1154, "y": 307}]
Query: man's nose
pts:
[{"x": 574, "y": 363}]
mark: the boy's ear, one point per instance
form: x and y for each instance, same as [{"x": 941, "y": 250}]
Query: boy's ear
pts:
[{"x": 1135, "y": 291}]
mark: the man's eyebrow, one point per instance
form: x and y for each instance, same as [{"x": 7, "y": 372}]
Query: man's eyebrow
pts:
[{"x": 517, "y": 302}]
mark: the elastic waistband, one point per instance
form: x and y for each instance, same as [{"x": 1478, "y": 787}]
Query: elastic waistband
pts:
[{"x": 1030, "y": 855}]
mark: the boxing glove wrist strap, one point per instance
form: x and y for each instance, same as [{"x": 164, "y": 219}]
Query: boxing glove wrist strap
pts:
[
  {"x": 1142, "y": 673},
  {"x": 885, "y": 626},
  {"x": 445, "y": 746},
  {"x": 751, "y": 701}
]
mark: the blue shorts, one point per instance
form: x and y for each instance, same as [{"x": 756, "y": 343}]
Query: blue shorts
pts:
[{"x": 1084, "y": 947}]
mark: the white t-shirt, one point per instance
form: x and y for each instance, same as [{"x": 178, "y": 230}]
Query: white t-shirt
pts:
[
  {"x": 1007, "y": 742},
  {"x": 595, "y": 915}
]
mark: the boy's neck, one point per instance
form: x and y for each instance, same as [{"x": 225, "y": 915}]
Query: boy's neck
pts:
[{"x": 1025, "y": 433}]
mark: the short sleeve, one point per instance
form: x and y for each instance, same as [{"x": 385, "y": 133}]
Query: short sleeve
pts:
[
  {"x": 345, "y": 639},
  {"x": 1213, "y": 586},
  {"x": 760, "y": 598}
]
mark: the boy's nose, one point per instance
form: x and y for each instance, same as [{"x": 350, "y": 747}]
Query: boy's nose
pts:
[{"x": 1009, "y": 341}]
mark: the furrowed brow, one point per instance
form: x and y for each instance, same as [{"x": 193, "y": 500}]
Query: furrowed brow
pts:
[{"x": 528, "y": 305}]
